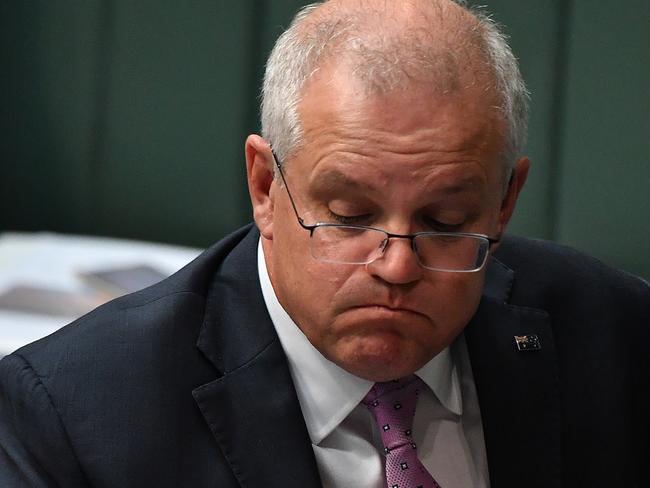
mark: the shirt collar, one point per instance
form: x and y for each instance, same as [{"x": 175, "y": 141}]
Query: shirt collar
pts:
[{"x": 327, "y": 393}]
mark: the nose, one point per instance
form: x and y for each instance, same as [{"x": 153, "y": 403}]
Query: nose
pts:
[{"x": 397, "y": 264}]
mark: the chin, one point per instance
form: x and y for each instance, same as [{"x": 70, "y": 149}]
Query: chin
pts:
[{"x": 382, "y": 357}]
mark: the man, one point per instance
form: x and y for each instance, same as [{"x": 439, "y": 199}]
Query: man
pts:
[{"x": 389, "y": 167}]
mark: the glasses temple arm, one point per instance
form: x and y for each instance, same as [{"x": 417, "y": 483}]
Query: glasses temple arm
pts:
[{"x": 284, "y": 181}]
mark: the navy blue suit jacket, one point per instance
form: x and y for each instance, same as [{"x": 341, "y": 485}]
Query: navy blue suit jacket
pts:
[{"x": 185, "y": 383}]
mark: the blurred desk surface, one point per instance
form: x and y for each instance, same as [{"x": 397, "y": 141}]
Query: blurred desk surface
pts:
[{"x": 54, "y": 261}]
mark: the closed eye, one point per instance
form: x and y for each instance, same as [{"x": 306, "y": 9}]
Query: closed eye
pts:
[
  {"x": 439, "y": 226},
  {"x": 348, "y": 219}
]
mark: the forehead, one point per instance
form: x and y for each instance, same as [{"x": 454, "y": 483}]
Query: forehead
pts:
[{"x": 413, "y": 132}]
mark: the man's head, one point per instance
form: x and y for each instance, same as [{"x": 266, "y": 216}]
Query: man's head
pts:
[
  {"x": 430, "y": 38},
  {"x": 398, "y": 116}
]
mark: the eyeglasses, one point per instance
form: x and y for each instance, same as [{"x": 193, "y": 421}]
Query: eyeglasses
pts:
[{"x": 358, "y": 244}]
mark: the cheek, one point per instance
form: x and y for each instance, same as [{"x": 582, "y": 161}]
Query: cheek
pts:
[
  {"x": 312, "y": 297},
  {"x": 296, "y": 269},
  {"x": 455, "y": 298},
  {"x": 306, "y": 288}
]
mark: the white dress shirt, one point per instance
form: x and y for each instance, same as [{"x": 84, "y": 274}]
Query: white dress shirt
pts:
[{"x": 347, "y": 445}]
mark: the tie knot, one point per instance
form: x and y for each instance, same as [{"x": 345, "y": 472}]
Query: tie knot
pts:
[
  {"x": 385, "y": 392},
  {"x": 392, "y": 405}
]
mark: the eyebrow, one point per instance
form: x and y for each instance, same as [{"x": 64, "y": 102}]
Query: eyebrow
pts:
[
  {"x": 335, "y": 179},
  {"x": 465, "y": 184}
]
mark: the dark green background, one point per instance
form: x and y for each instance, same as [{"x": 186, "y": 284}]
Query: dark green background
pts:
[{"x": 128, "y": 118}]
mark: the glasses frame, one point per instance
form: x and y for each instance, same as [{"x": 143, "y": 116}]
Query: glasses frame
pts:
[{"x": 389, "y": 235}]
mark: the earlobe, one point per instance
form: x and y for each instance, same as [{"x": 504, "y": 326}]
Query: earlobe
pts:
[
  {"x": 259, "y": 172},
  {"x": 517, "y": 180}
]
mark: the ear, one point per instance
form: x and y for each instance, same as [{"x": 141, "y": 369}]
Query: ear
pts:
[
  {"x": 259, "y": 172},
  {"x": 517, "y": 180}
]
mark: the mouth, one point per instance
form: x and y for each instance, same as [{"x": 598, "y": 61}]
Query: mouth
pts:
[
  {"x": 385, "y": 310},
  {"x": 383, "y": 322}
]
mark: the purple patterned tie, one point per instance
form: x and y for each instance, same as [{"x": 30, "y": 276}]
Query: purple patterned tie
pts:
[{"x": 392, "y": 404}]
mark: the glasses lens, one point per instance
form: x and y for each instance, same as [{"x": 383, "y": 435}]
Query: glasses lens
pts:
[
  {"x": 451, "y": 252},
  {"x": 358, "y": 245},
  {"x": 346, "y": 244}
]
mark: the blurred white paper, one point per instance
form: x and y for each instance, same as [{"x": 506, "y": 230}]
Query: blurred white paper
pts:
[
  {"x": 48, "y": 301},
  {"x": 41, "y": 288}
]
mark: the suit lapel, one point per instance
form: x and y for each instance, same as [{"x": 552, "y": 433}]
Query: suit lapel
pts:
[
  {"x": 252, "y": 409},
  {"x": 254, "y": 414},
  {"x": 518, "y": 390}
]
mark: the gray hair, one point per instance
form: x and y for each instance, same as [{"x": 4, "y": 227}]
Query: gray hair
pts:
[{"x": 297, "y": 54}]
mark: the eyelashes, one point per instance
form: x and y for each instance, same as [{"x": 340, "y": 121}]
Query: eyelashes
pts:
[
  {"x": 366, "y": 219},
  {"x": 348, "y": 219}
]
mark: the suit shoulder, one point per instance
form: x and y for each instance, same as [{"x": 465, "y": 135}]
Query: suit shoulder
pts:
[
  {"x": 129, "y": 322},
  {"x": 557, "y": 271},
  {"x": 171, "y": 310}
]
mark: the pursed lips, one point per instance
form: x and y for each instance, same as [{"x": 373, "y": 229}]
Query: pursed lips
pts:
[{"x": 387, "y": 308}]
